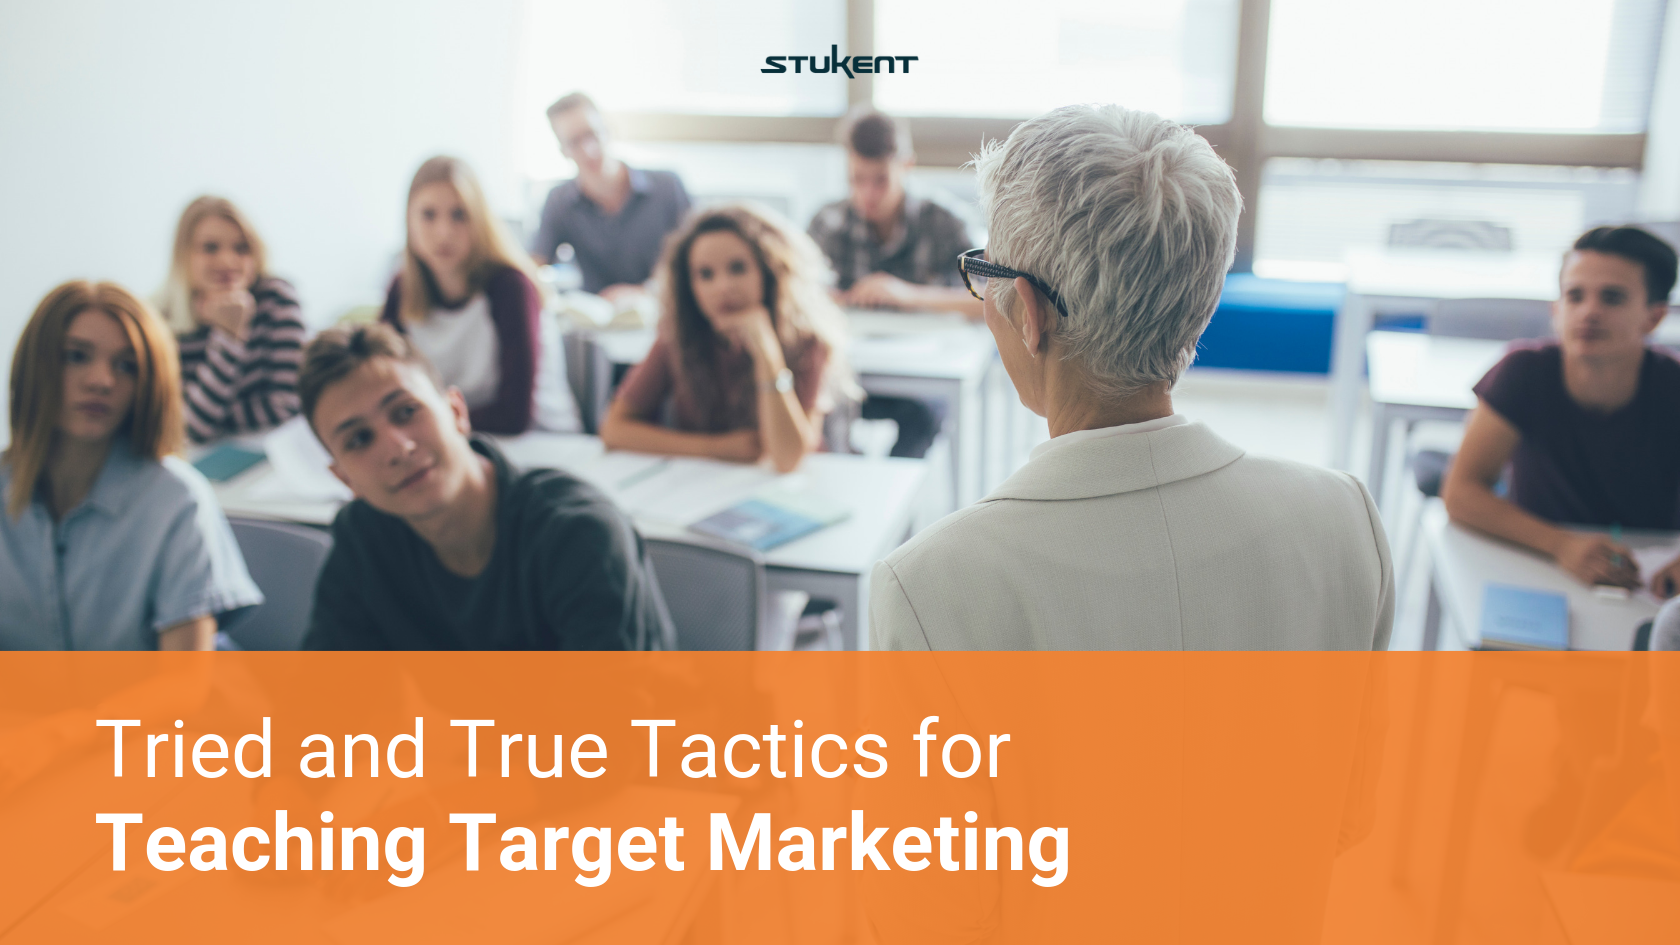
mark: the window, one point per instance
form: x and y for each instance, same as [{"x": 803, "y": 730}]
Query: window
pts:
[
  {"x": 1463, "y": 65},
  {"x": 1001, "y": 58},
  {"x": 691, "y": 57}
]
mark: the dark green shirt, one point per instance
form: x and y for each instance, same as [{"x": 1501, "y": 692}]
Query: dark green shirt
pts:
[{"x": 568, "y": 572}]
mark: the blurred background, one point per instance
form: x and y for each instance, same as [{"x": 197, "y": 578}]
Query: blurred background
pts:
[{"x": 1341, "y": 117}]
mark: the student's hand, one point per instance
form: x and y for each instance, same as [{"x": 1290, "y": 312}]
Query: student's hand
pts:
[
  {"x": 1595, "y": 559},
  {"x": 752, "y": 328},
  {"x": 1666, "y": 582},
  {"x": 881, "y": 290},
  {"x": 742, "y": 446},
  {"x": 228, "y": 310}
]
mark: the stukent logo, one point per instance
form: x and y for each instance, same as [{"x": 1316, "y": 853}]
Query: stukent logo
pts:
[{"x": 834, "y": 62}]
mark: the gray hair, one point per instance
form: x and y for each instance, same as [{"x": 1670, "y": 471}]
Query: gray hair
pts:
[{"x": 1131, "y": 218}]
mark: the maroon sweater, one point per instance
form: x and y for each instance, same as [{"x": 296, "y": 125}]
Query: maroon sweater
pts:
[{"x": 516, "y": 311}]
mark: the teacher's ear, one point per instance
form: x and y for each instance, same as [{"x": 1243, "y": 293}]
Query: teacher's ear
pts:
[{"x": 1037, "y": 318}]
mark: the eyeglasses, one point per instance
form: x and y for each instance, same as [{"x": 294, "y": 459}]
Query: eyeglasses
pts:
[{"x": 975, "y": 271}]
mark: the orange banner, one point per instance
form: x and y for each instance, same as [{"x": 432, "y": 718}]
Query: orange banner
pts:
[{"x": 740, "y": 797}]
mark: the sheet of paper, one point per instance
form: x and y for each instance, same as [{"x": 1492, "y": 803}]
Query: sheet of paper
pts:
[
  {"x": 1650, "y": 559},
  {"x": 686, "y": 490},
  {"x": 300, "y": 465}
]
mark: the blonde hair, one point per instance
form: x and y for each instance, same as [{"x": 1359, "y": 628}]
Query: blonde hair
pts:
[
  {"x": 154, "y": 425},
  {"x": 492, "y": 246},
  {"x": 174, "y": 300},
  {"x": 795, "y": 294}
]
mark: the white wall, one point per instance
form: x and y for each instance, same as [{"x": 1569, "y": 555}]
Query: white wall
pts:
[{"x": 310, "y": 114}]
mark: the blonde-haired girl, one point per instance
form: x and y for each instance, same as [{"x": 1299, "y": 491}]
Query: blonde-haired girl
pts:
[
  {"x": 467, "y": 300},
  {"x": 240, "y": 329}
]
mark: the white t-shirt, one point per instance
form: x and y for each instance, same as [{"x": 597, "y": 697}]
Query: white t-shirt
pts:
[{"x": 462, "y": 344}]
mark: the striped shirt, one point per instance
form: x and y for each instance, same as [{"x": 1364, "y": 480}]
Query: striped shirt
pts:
[{"x": 233, "y": 386}]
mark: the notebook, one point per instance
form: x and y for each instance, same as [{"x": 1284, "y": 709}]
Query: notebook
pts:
[
  {"x": 1517, "y": 618},
  {"x": 770, "y": 518},
  {"x": 226, "y": 460}
]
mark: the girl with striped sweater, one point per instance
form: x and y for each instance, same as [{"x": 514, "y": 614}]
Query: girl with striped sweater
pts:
[{"x": 240, "y": 329}]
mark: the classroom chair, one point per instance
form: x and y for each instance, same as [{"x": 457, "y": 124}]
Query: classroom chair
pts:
[
  {"x": 590, "y": 376},
  {"x": 284, "y": 560},
  {"x": 719, "y": 598}
]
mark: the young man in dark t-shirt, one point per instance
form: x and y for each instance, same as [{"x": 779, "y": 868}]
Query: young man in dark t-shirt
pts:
[
  {"x": 1589, "y": 423},
  {"x": 447, "y": 546}
]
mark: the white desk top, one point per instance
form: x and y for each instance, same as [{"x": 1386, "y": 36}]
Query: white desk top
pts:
[
  {"x": 664, "y": 496},
  {"x": 1434, "y": 371},
  {"x": 899, "y": 344},
  {"x": 1452, "y": 274},
  {"x": 1427, "y": 370},
  {"x": 1466, "y": 561}
]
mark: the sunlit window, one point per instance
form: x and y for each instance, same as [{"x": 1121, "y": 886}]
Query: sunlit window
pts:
[
  {"x": 1463, "y": 65},
  {"x": 1009, "y": 59},
  {"x": 676, "y": 56}
]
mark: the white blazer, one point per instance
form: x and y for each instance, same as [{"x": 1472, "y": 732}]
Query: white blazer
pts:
[{"x": 1171, "y": 539}]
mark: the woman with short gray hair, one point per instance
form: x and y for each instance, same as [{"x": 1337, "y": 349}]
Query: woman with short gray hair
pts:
[{"x": 1132, "y": 528}]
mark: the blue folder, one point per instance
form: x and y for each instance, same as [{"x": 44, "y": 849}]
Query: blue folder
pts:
[
  {"x": 226, "y": 460},
  {"x": 1518, "y": 618},
  {"x": 773, "y": 517}
]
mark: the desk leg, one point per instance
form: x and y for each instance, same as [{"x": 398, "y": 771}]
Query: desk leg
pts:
[
  {"x": 1432, "y": 611},
  {"x": 1378, "y": 472},
  {"x": 1347, "y": 375},
  {"x": 850, "y": 591}
]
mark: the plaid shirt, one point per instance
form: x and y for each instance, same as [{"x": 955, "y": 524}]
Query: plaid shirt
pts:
[{"x": 924, "y": 250}]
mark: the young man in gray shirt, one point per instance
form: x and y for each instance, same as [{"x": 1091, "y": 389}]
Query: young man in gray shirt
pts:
[{"x": 614, "y": 216}]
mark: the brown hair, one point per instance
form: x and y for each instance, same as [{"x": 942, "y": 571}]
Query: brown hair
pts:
[
  {"x": 794, "y": 273},
  {"x": 569, "y": 101},
  {"x": 154, "y": 425},
  {"x": 1635, "y": 245},
  {"x": 174, "y": 300},
  {"x": 492, "y": 248},
  {"x": 874, "y": 135},
  {"x": 336, "y": 352}
]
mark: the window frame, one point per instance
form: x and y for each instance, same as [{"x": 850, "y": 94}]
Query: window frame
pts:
[{"x": 1245, "y": 141}]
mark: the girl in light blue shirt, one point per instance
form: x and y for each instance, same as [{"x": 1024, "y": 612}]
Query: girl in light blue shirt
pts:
[{"x": 107, "y": 540}]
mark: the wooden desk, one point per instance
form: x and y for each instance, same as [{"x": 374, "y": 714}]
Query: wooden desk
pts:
[
  {"x": 664, "y": 496},
  {"x": 923, "y": 356},
  {"x": 1463, "y": 562}
]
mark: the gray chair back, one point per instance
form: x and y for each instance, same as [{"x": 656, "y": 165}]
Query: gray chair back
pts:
[
  {"x": 1449, "y": 234},
  {"x": 590, "y": 375},
  {"x": 715, "y": 592},
  {"x": 1491, "y": 319},
  {"x": 284, "y": 560}
]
